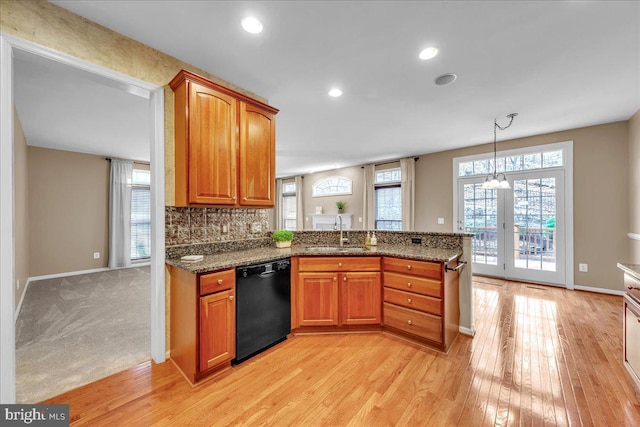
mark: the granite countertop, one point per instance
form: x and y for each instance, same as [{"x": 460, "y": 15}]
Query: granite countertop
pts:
[
  {"x": 631, "y": 269},
  {"x": 241, "y": 258}
]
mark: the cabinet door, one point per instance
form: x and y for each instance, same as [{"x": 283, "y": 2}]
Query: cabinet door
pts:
[
  {"x": 257, "y": 156},
  {"x": 361, "y": 299},
  {"x": 212, "y": 146},
  {"x": 632, "y": 339},
  {"x": 318, "y": 299},
  {"x": 217, "y": 329}
]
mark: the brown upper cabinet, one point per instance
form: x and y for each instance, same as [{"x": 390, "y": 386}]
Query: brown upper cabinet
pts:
[{"x": 224, "y": 145}]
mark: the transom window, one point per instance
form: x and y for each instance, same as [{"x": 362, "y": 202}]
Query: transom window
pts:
[
  {"x": 520, "y": 162},
  {"x": 332, "y": 186}
]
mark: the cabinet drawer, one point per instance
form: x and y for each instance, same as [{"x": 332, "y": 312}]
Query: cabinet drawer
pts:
[
  {"x": 632, "y": 285},
  {"x": 432, "y": 270},
  {"x": 414, "y": 284},
  {"x": 414, "y": 322},
  {"x": 339, "y": 264},
  {"x": 413, "y": 301},
  {"x": 218, "y": 281}
]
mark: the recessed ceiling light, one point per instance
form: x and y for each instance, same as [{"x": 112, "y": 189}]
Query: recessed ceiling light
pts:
[
  {"x": 445, "y": 79},
  {"x": 428, "y": 53},
  {"x": 252, "y": 25},
  {"x": 335, "y": 92}
]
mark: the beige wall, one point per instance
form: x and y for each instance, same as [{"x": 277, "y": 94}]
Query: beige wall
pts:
[
  {"x": 601, "y": 211},
  {"x": 21, "y": 206},
  {"x": 353, "y": 201},
  {"x": 68, "y": 211},
  {"x": 634, "y": 187}
]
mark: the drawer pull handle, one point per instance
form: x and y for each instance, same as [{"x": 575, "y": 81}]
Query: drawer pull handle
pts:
[
  {"x": 409, "y": 300},
  {"x": 408, "y": 284},
  {"x": 631, "y": 288},
  {"x": 408, "y": 267},
  {"x": 409, "y": 322},
  {"x": 339, "y": 264},
  {"x": 230, "y": 297},
  {"x": 219, "y": 281}
]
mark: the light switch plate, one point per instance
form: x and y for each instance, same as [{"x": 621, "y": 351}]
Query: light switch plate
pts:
[
  {"x": 440, "y": 220},
  {"x": 584, "y": 268}
]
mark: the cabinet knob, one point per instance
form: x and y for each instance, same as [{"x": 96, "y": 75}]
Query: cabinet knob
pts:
[
  {"x": 409, "y": 322},
  {"x": 409, "y": 300},
  {"x": 339, "y": 264},
  {"x": 408, "y": 267},
  {"x": 335, "y": 279},
  {"x": 219, "y": 281},
  {"x": 344, "y": 279},
  {"x": 233, "y": 198},
  {"x": 244, "y": 198},
  {"x": 409, "y": 284},
  {"x": 230, "y": 297}
]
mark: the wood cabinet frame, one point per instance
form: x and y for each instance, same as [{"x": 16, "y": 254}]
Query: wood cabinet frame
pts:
[{"x": 245, "y": 179}]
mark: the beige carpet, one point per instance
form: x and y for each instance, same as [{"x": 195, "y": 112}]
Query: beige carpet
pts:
[{"x": 74, "y": 330}]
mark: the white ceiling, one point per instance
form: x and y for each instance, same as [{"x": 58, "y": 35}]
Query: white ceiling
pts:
[
  {"x": 64, "y": 108},
  {"x": 561, "y": 65}
]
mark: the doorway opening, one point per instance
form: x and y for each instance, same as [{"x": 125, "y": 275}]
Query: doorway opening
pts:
[{"x": 524, "y": 233}]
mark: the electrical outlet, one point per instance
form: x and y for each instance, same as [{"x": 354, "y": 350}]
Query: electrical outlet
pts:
[
  {"x": 225, "y": 229},
  {"x": 256, "y": 227},
  {"x": 359, "y": 219},
  {"x": 96, "y": 255},
  {"x": 584, "y": 268},
  {"x": 416, "y": 240},
  {"x": 440, "y": 220}
]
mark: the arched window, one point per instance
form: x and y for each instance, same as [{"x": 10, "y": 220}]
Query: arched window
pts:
[{"x": 332, "y": 186}]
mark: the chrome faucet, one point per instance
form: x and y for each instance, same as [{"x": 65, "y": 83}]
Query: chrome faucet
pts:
[{"x": 343, "y": 240}]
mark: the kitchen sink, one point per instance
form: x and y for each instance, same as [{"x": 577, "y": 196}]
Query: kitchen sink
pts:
[{"x": 323, "y": 249}]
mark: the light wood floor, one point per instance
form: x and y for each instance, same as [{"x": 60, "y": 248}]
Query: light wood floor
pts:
[{"x": 541, "y": 356}]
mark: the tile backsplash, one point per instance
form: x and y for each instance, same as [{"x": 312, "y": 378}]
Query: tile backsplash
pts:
[{"x": 193, "y": 225}]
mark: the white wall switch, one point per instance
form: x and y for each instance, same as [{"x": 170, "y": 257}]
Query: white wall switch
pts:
[
  {"x": 584, "y": 268},
  {"x": 359, "y": 219},
  {"x": 440, "y": 220},
  {"x": 96, "y": 255},
  {"x": 306, "y": 218}
]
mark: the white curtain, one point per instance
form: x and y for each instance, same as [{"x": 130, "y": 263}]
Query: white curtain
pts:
[
  {"x": 408, "y": 171},
  {"x": 299, "y": 203},
  {"x": 368, "y": 203},
  {"x": 120, "y": 213},
  {"x": 278, "y": 217}
]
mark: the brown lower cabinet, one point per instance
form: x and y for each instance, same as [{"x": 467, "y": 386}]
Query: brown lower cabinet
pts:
[
  {"x": 418, "y": 300},
  {"x": 329, "y": 292},
  {"x": 203, "y": 322}
]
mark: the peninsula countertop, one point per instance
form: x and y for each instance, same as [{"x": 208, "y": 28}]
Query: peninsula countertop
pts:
[
  {"x": 632, "y": 270},
  {"x": 231, "y": 259}
]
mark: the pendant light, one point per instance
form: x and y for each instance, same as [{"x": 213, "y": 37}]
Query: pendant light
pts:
[{"x": 497, "y": 180}]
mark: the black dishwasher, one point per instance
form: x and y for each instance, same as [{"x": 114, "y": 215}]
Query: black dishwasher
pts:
[{"x": 263, "y": 307}]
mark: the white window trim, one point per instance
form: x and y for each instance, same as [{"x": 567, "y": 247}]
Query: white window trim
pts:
[
  {"x": 339, "y": 193},
  {"x": 567, "y": 148}
]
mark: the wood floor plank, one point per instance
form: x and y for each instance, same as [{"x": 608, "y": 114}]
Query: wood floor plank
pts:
[{"x": 541, "y": 356}]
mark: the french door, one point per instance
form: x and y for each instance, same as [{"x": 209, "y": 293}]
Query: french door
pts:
[{"x": 518, "y": 233}]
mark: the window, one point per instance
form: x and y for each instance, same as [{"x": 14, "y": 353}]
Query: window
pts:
[
  {"x": 520, "y": 162},
  {"x": 388, "y": 199},
  {"x": 289, "y": 206},
  {"x": 332, "y": 186},
  {"x": 141, "y": 215}
]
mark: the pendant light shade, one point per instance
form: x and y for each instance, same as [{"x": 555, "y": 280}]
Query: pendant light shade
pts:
[{"x": 497, "y": 180}]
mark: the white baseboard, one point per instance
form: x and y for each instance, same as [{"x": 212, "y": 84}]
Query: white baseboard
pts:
[
  {"x": 70, "y": 273},
  {"x": 466, "y": 331},
  {"x": 599, "y": 290}
]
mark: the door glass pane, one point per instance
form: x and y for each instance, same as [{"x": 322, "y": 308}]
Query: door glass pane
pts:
[
  {"x": 480, "y": 219},
  {"x": 534, "y": 219}
]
